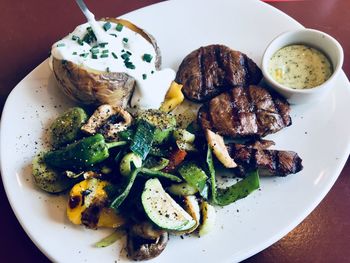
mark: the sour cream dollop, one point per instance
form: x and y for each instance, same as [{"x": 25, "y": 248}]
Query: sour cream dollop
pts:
[{"x": 124, "y": 51}]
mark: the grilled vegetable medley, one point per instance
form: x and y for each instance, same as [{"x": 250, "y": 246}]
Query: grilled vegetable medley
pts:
[{"x": 137, "y": 173}]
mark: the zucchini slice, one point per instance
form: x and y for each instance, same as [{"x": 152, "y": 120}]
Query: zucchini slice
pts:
[
  {"x": 48, "y": 179},
  {"x": 66, "y": 128},
  {"x": 162, "y": 210}
]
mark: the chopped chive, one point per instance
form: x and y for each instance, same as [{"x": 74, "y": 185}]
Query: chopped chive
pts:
[
  {"x": 147, "y": 57},
  {"x": 105, "y": 51},
  {"x": 114, "y": 55},
  {"x": 125, "y": 56},
  {"x": 74, "y": 53},
  {"x": 104, "y": 55},
  {"x": 94, "y": 56},
  {"x": 128, "y": 52},
  {"x": 107, "y": 69},
  {"x": 89, "y": 36},
  {"x": 74, "y": 37},
  {"x": 107, "y": 26},
  {"x": 125, "y": 40},
  {"x": 144, "y": 76},
  {"x": 152, "y": 71},
  {"x": 80, "y": 42},
  {"x": 129, "y": 65},
  {"x": 84, "y": 55},
  {"x": 119, "y": 27},
  {"x": 103, "y": 44},
  {"x": 123, "y": 50},
  {"x": 94, "y": 50},
  {"x": 61, "y": 44},
  {"x": 114, "y": 35}
]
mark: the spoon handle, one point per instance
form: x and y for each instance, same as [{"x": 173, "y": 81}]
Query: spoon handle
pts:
[
  {"x": 89, "y": 16},
  {"x": 99, "y": 33}
]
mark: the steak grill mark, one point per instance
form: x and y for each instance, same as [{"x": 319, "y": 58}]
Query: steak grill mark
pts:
[
  {"x": 269, "y": 162},
  {"x": 245, "y": 112},
  {"x": 210, "y": 70}
]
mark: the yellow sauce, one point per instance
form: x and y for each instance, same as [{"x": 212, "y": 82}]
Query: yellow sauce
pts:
[{"x": 300, "y": 67}]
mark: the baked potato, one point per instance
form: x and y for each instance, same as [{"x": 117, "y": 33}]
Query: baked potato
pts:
[{"x": 90, "y": 86}]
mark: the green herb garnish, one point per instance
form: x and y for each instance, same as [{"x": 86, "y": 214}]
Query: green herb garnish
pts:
[
  {"x": 74, "y": 53},
  {"x": 104, "y": 55},
  {"x": 125, "y": 40},
  {"x": 89, "y": 36},
  {"x": 125, "y": 56},
  {"x": 84, "y": 55},
  {"x": 103, "y": 44},
  {"x": 144, "y": 76},
  {"x": 94, "y": 50},
  {"x": 105, "y": 51},
  {"x": 147, "y": 57},
  {"x": 107, "y": 26},
  {"x": 119, "y": 27},
  {"x": 114, "y": 55},
  {"x": 74, "y": 37},
  {"x": 61, "y": 44},
  {"x": 94, "y": 56},
  {"x": 129, "y": 65}
]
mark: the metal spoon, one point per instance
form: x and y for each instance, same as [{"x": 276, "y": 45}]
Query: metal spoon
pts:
[{"x": 101, "y": 35}]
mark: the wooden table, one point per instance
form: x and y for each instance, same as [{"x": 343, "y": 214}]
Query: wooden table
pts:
[{"x": 28, "y": 28}]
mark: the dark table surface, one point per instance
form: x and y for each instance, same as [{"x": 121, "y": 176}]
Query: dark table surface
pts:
[{"x": 28, "y": 28}]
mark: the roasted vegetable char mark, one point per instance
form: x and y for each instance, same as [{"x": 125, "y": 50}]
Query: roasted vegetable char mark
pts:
[
  {"x": 268, "y": 162},
  {"x": 211, "y": 70},
  {"x": 245, "y": 112}
]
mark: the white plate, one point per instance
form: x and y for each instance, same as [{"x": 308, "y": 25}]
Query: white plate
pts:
[{"x": 319, "y": 134}]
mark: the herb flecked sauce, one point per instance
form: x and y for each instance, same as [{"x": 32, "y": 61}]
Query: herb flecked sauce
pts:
[{"x": 300, "y": 67}]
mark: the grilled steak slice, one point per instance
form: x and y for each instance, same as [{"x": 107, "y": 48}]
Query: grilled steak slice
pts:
[
  {"x": 245, "y": 112},
  {"x": 268, "y": 162},
  {"x": 209, "y": 71}
]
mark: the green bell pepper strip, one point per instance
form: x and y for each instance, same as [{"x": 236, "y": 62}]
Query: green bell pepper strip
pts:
[
  {"x": 155, "y": 173},
  {"x": 83, "y": 153},
  {"x": 226, "y": 196},
  {"x": 124, "y": 192}
]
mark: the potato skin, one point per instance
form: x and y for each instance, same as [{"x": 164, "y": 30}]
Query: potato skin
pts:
[
  {"x": 95, "y": 87},
  {"x": 87, "y": 87}
]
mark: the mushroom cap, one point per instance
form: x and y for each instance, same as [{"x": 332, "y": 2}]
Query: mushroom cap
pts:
[{"x": 145, "y": 241}]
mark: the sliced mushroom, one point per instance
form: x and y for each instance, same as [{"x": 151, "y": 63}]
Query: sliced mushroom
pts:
[
  {"x": 217, "y": 144},
  {"x": 109, "y": 120},
  {"x": 145, "y": 241}
]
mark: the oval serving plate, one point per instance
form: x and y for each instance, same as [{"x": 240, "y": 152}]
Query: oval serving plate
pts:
[{"x": 318, "y": 134}]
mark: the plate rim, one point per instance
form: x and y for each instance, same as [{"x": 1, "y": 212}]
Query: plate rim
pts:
[{"x": 248, "y": 252}]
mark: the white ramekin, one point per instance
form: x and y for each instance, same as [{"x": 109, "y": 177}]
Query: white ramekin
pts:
[{"x": 310, "y": 37}]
